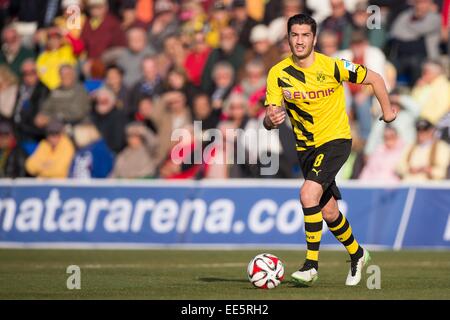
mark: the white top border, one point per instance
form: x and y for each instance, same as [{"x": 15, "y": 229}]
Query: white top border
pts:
[{"x": 228, "y": 183}]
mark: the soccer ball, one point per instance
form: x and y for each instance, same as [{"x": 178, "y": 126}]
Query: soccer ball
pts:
[{"x": 265, "y": 271}]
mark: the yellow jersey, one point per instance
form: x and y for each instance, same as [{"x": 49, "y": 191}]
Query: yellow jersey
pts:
[{"x": 314, "y": 97}]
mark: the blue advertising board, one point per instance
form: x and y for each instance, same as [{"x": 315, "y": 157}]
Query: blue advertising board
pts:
[{"x": 262, "y": 212}]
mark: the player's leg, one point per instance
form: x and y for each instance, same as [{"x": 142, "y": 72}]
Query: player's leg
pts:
[
  {"x": 310, "y": 195},
  {"x": 341, "y": 229}
]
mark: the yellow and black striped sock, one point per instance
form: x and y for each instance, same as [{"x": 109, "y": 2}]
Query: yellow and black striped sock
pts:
[
  {"x": 343, "y": 232},
  {"x": 313, "y": 231}
]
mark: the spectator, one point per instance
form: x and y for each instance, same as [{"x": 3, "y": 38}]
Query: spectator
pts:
[
  {"x": 69, "y": 103},
  {"x": 145, "y": 114},
  {"x": 382, "y": 162},
  {"x": 196, "y": 58},
  {"x": 277, "y": 27},
  {"x": 223, "y": 81},
  {"x": 407, "y": 113},
  {"x": 71, "y": 28},
  {"x": 415, "y": 37},
  {"x": 53, "y": 155},
  {"x": 180, "y": 162},
  {"x": 432, "y": 92},
  {"x": 241, "y": 22},
  {"x": 444, "y": 129},
  {"x": 338, "y": 21},
  {"x": 375, "y": 36},
  {"x": 171, "y": 113},
  {"x": 362, "y": 96},
  {"x": 12, "y": 157},
  {"x": 130, "y": 14},
  {"x": 55, "y": 55},
  {"x": 177, "y": 80},
  {"x": 114, "y": 81},
  {"x": 109, "y": 120},
  {"x": 164, "y": 24},
  {"x": 427, "y": 159},
  {"x": 253, "y": 85},
  {"x": 204, "y": 112},
  {"x": 261, "y": 49},
  {"x": 229, "y": 50},
  {"x": 237, "y": 118},
  {"x": 273, "y": 9},
  {"x": 100, "y": 33},
  {"x": 173, "y": 55},
  {"x": 130, "y": 60},
  {"x": 219, "y": 19},
  {"x": 138, "y": 159},
  {"x": 150, "y": 85},
  {"x": 32, "y": 95},
  {"x": 328, "y": 43},
  {"x": 93, "y": 158},
  {"x": 12, "y": 52},
  {"x": 194, "y": 18},
  {"x": 32, "y": 17},
  {"x": 8, "y": 92}
]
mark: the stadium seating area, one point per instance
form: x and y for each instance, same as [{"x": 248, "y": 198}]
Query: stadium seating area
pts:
[{"x": 95, "y": 88}]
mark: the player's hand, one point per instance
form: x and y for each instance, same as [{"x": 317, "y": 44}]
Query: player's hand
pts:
[
  {"x": 389, "y": 117},
  {"x": 276, "y": 115}
]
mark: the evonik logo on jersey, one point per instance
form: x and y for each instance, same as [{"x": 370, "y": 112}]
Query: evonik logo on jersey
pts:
[{"x": 311, "y": 95}]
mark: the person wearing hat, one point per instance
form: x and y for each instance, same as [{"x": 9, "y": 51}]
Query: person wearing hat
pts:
[
  {"x": 428, "y": 158},
  {"x": 164, "y": 24},
  {"x": 53, "y": 155},
  {"x": 56, "y": 54},
  {"x": 219, "y": 18},
  {"x": 242, "y": 22},
  {"x": 12, "y": 157},
  {"x": 138, "y": 159}
]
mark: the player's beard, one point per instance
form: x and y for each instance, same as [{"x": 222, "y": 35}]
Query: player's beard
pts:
[{"x": 309, "y": 49}]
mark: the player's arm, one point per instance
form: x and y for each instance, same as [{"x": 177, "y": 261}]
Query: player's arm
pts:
[
  {"x": 275, "y": 113},
  {"x": 379, "y": 88}
]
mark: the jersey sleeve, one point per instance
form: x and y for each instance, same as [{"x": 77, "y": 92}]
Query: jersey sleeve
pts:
[
  {"x": 274, "y": 93},
  {"x": 349, "y": 71}
]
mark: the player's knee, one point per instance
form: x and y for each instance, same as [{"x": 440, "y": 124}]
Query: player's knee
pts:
[
  {"x": 330, "y": 214},
  {"x": 309, "y": 198}
]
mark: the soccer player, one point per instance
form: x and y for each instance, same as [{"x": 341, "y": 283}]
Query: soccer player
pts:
[{"x": 309, "y": 85}]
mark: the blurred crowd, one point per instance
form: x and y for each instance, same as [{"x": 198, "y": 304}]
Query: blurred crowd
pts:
[{"x": 95, "y": 88}]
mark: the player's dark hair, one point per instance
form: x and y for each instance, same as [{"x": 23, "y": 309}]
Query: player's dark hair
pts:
[{"x": 302, "y": 18}]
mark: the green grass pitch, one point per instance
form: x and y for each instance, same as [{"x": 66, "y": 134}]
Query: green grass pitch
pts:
[{"x": 211, "y": 274}]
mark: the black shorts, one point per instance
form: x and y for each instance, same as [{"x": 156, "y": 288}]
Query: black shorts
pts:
[{"x": 322, "y": 165}]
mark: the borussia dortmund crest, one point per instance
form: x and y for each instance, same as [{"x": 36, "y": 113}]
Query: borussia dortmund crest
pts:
[{"x": 320, "y": 77}]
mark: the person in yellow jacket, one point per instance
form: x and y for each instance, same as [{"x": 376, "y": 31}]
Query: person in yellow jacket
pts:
[
  {"x": 50, "y": 60},
  {"x": 53, "y": 156},
  {"x": 432, "y": 92}
]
